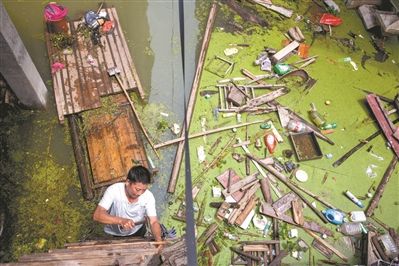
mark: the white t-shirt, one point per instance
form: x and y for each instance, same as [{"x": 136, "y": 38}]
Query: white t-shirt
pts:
[{"x": 116, "y": 203}]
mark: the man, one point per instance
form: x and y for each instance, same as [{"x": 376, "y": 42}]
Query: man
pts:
[{"x": 125, "y": 205}]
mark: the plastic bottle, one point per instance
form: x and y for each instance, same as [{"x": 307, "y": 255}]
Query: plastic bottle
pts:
[
  {"x": 351, "y": 229},
  {"x": 315, "y": 116},
  {"x": 329, "y": 126},
  {"x": 296, "y": 126},
  {"x": 230, "y": 236}
]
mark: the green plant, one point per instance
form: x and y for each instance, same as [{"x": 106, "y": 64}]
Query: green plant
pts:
[{"x": 62, "y": 40}]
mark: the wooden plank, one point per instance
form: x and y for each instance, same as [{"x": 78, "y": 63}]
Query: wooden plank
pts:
[
  {"x": 122, "y": 51},
  {"x": 223, "y": 180},
  {"x": 97, "y": 142},
  {"x": 384, "y": 123},
  {"x": 266, "y": 192},
  {"x": 327, "y": 245},
  {"x": 284, "y": 203},
  {"x": 192, "y": 97},
  {"x": 248, "y": 208},
  {"x": 322, "y": 249},
  {"x": 136, "y": 79},
  {"x": 297, "y": 211},
  {"x": 236, "y": 186},
  {"x": 381, "y": 187}
]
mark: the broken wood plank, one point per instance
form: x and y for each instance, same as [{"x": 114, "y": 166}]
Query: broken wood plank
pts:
[
  {"x": 285, "y": 52},
  {"x": 248, "y": 208},
  {"x": 327, "y": 245},
  {"x": 255, "y": 102},
  {"x": 381, "y": 187},
  {"x": 297, "y": 211},
  {"x": 236, "y": 186},
  {"x": 383, "y": 121},
  {"x": 277, "y": 260},
  {"x": 322, "y": 249},
  {"x": 266, "y": 192},
  {"x": 283, "y": 204},
  {"x": 192, "y": 97},
  {"x": 234, "y": 178},
  {"x": 284, "y": 179},
  {"x": 255, "y": 248},
  {"x": 268, "y": 210},
  {"x": 242, "y": 203},
  {"x": 245, "y": 254}
]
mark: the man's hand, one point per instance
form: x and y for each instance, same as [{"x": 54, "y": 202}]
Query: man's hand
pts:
[{"x": 126, "y": 223}]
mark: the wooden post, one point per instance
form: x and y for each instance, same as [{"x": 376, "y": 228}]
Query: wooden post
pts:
[
  {"x": 78, "y": 150},
  {"x": 380, "y": 189},
  {"x": 191, "y": 101}
]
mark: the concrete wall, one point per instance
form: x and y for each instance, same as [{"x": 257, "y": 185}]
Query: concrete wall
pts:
[{"x": 17, "y": 67}]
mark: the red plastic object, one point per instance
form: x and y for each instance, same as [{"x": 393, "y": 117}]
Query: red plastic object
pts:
[
  {"x": 329, "y": 19},
  {"x": 107, "y": 26},
  {"x": 270, "y": 142},
  {"x": 54, "y": 12}
]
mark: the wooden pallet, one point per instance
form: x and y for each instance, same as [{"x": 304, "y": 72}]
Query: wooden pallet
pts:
[{"x": 84, "y": 79}]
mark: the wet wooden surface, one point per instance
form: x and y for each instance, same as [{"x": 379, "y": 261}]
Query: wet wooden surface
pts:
[
  {"x": 114, "y": 144},
  {"x": 84, "y": 79}
]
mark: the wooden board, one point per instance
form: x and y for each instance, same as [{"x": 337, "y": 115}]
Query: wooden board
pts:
[
  {"x": 114, "y": 145},
  {"x": 84, "y": 79}
]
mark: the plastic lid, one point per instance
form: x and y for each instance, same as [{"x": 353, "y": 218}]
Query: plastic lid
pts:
[
  {"x": 54, "y": 12},
  {"x": 301, "y": 176}
]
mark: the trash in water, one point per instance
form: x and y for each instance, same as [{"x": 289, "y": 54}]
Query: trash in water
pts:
[
  {"x": 354, "y": 199},
  {"x": 379, "y": 158},
  {"x": 230, "y": 51},
  {"x": 370, "y": 172},
  {"x": 201, "y": 154},
  {"x": 334, "y": 216}
]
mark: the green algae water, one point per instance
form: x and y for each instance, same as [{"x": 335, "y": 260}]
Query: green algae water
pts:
[
  {"x": 338, "y": 99},
  {"x": 39, "y": 182},
  {"x": 40, "y": 188}
]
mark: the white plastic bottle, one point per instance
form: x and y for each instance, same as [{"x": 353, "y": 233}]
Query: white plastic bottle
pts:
[{"x": 351, "y": 229}]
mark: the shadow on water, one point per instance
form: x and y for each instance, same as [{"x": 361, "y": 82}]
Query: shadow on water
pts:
[{"x": 40, "y": 190}]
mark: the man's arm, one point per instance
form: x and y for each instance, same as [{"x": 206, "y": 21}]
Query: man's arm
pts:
[
  {"x": 155, "y": 228},
  {"x": 102, "y": 216}
]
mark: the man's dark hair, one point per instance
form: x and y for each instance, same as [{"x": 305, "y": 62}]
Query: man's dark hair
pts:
[{"x": 139, "y": 174}]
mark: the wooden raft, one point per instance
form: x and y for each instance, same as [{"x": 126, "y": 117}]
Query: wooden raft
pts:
[
  {"x": 84, "y": 79},
  {"x": 114, "y": 145}
]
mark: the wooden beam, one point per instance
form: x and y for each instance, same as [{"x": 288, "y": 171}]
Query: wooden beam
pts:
[
  {"x": 193, "y": 94},
  {"x": 381, "y": 187}
]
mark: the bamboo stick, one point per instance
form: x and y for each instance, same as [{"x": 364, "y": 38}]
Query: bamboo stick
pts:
[
  {"x": 208, "y": 132},
  {"x": 191, "y": 101},
  {"x": 327, "y": 245}
]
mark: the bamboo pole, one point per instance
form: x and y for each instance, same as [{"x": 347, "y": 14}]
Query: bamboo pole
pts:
[
  {"x": 208, "y": 132},
  {"x": 191, "y": 101},
  {"x": 136, "y": 114}
]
